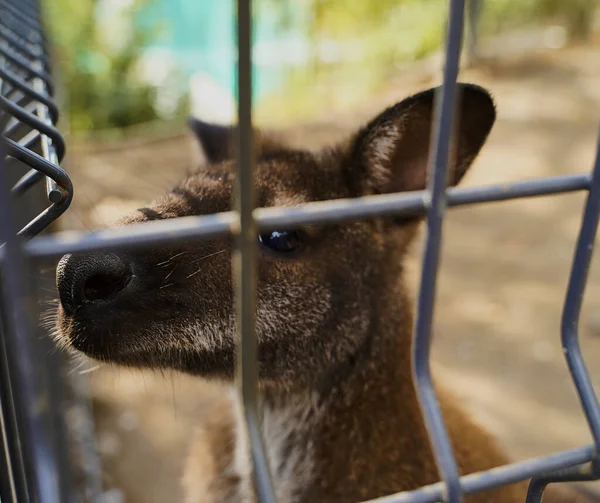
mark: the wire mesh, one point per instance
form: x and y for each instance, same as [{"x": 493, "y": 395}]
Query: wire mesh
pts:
[
  {"x": 29, "y": 115},
  {"x": 34, "y": 191},
  {"x": 244, "y": 260},
  {"x": 29, "y": 112}
]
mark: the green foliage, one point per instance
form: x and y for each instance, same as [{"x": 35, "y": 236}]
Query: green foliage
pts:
[
  {"x": 576, "y": 15},
  {"x": 389, "y": 33},
  {"x": 374, "y": 36},
  {"x": 393, "y": 31},
  {"x": 99, "y": 75}
]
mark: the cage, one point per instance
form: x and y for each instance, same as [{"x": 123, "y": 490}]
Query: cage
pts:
[{"x": 35, "y": 191}]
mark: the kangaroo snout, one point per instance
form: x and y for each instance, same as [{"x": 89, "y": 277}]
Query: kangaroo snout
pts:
[{"x": 97, "y": 278}]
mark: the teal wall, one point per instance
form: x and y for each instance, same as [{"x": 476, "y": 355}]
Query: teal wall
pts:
[{"x": 200, "y": 35}]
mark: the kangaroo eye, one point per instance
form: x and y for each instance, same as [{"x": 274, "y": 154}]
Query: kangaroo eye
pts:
[{"x": 281, "y": 241}]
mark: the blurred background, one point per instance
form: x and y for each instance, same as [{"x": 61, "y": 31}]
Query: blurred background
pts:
[{"x": 132, "y": 71}]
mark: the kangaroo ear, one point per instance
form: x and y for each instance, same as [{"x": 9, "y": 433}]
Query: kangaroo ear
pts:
[
  {"x": 391, "y": 153},
  {"x": 218, "y": 141},
  {"x": 215, "y": 139}
]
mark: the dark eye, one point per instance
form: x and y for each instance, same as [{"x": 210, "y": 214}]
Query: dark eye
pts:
[{"x": 281, "y": 241}]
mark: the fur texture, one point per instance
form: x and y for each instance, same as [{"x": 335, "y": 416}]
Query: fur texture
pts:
[{"x": 341, "y": 419}]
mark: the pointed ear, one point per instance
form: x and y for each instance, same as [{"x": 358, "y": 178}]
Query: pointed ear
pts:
[
  {"x": 215, "y": 139},
  {"x": 391, "y": 153},
  {"x": 218, "y": 141}
]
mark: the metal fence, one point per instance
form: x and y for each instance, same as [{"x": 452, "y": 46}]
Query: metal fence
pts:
[
  {"x": 34, "y": 466},
  {"x": 36, "y": 393}
]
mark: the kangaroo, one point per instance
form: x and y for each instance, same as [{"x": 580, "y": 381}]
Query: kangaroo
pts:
[{"x": 341, "y": 420}]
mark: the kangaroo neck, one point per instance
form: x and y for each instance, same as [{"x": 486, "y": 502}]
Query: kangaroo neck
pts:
[{"x": 348, "y": 437}]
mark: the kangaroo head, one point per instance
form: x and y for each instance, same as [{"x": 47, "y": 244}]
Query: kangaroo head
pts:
[{"x": 319, "y": 287}]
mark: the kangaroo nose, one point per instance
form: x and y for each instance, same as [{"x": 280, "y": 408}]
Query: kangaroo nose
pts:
[{"x": 92, "y": 278}]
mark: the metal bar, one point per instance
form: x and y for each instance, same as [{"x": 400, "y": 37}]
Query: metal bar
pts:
[
  {"x": 56, "y": 192},
  {"x": 28, "y": 141},
  {"x": 35, "y": 123},
  {"x": 14, "y": 481},
  {"x": 580, "y": 473},
  {"x": 15, "y": 129},
  {"x": 27, "y": 181},
  {"x": 60, "y": 196},
  {"x": 19, "y": 152},
  {"x": 14, "y": 484},
  {"x": 245, "y": 222},
  {"x": 37, "y": 445},
  {"x": 23, "y": 102},
  {"x": 18, "y": 98},
  {"x": 24, "y": 84},
  {"x": 244, "y": 260},
  {"x": 60, "y": 188},
  {"x": 158, "y": 232},
  {"x": 44, "y": 219},
  {"x": 28, "y": 20},
  {"x": 26, "y": 5},
  {"x": 24, "y": 65},
  {"x": 441, "y": 144},
  {"x": 18, "y": 29},
  {"x": 16, "y": 40},
  {"x": 495, "y": 477},
  {"x": 8, "y": 487},
  {"x": 10, "y": 425},
  {"x": 573, "y": 300},
  {"x": 60, "y": 193},
  {"x": 26, "y": 88}
]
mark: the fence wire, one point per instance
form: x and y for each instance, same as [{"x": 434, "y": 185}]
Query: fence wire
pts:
[
  {"x": 32, "y": 467},
  {"x": 34, "y": 192}
]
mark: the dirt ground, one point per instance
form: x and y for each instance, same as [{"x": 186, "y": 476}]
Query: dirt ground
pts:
[{"x": 505, "y": 268}]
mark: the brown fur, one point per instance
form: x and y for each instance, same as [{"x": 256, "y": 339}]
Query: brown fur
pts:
[{"x": 334, "y": 322}]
